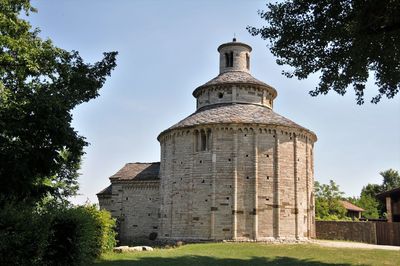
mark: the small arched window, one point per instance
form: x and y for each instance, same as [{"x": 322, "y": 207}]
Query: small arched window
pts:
[
  {"x": 209, "y": 138},
  {"x": 247, "y": 61},
  {"x": 196, "y": 141},
  {"x": 229, "y": 59},
  {"x": 203, "y": 140}
]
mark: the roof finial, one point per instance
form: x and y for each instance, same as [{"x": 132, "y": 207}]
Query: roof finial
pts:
[{"x": 234, "y": 37}]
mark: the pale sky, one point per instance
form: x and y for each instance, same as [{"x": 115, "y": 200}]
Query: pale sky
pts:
[{"x": 166, "y": 50}]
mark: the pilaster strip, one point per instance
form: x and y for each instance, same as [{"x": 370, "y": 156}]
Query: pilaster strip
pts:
[
  {"x": 214, "y": 177},
  {"x": 296, "y": 196},
  {"x": 277, "y": 208},
  {"x": 308, "y": 192},
  {"x": 255, "y": 225},
  {"x": 234, "y": 214},
  {"x": 172, "y": 186},
  {"x": 191, "y": 188}
]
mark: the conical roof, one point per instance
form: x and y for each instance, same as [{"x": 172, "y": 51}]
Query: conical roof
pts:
[
  {"x": 236, "y": 114},
  {"x": 239, "y": 106},
  {"x": 234, "y": 77}
]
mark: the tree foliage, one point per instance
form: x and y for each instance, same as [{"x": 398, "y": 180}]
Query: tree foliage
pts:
[
  {"x": 39, "y": 86},
  {"x": 368, "y": 201},
  {"x": 327, "y": 202},
  {"x": 371, "y": 190},
  {"x": 40, "y": 152},
  {"x": 370, "y": 205},
  {"x": 327, "y": 196},
  {"x": 344, "y": 40},
  {"x": 391, "y": 179}
]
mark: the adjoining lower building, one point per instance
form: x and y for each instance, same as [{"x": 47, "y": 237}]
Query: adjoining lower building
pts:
[
  {"x": 391, "y": 200},
  {"x": 352, "y": 211},
  {"x": 233, "y": 170}
]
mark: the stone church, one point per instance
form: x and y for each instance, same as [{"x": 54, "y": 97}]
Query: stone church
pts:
[{"x": 232, "y": 170}]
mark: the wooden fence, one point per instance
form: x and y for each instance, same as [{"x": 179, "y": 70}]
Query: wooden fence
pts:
[
  {"x": 388, "y": 233},
  {"x": 380, "y": 233}
]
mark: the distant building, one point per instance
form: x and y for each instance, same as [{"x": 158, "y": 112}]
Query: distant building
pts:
[
  {"x": 232, "y": 170},
  {"x": 353, "y": 211},
  {"x": 392, "y": 200}
]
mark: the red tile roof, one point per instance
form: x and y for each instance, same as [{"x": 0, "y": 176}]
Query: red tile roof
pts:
[{"x": 351, "y": 207}]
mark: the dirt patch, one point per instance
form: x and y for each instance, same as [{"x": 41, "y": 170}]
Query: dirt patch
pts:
[{"x": 348, "y": 244}]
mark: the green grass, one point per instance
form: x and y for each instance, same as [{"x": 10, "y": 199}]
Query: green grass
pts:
[{"x": 254, "y": 254}]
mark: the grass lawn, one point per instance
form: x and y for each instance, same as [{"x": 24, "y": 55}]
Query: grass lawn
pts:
[{"x": 253, "y": 254}]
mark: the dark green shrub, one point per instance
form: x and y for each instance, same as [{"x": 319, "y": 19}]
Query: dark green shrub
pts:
[
  {"x": 54, "y": 235},
  {"x": 79, "y": 235},
  {"x": 23, "y": 235},
  {"x": 108, "y": 225}
]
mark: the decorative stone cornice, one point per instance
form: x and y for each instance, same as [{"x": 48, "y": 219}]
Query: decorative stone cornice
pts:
[{"x": 138, "y": 184}]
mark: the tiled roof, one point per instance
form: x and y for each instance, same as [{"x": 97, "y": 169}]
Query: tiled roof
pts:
[
  {"x": 234, "y": 77},
  {"x": 351, "y": 207},
  {"x": 235, "y": 114},
  {"x": 138, "y": 172},
  {"x": 106, "y": 191}
]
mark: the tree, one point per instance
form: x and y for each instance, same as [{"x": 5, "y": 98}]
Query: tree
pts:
[
  {"x": 368, "y": 196},
  {"x": 368, "y": 200},
  {"x": 371, "y": 190},
  {"x": 344, "y": 40},
  {"x": 39, "y": 86},
  {"x": 370, "y": 205},
  {"x": 40, "y": 151},
  {"x": 327, "y": 202},
  {"x": 391, "y": 179}
]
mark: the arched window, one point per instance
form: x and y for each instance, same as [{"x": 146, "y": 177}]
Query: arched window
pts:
[
  {"x": 196, "y": 140},
  {"x": 229, "y": 59},
  {"x": 209, "y": 138},
  {"x": 247, "y": 61},
  {"x": 203, "y": 140}
]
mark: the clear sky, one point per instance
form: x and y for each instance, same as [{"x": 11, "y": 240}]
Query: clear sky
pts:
[{"x": 166, "y": 50}]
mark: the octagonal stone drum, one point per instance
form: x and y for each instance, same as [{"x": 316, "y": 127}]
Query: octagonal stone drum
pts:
[{"x": 235, "y": 169}]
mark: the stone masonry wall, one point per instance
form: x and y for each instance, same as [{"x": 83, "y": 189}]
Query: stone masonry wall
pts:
[
  {"x": 136, "y": 207},
  {"x": 105, "y": 202},
  {"x": 235, "y": 94},
  {"x": 140, "y": 206},
  {"x": 239, "y": 58},
  {"x": 251, "y": 183}
]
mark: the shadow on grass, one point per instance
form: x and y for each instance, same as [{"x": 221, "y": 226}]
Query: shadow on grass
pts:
[{"x": 202, "y": 260}]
